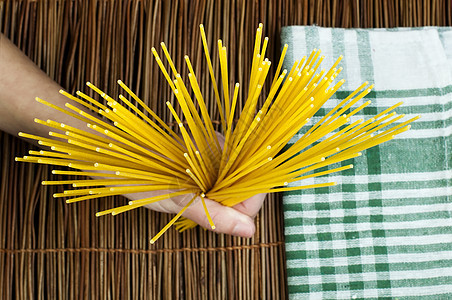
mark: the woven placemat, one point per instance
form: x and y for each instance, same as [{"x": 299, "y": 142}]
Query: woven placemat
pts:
[{"x": 53, "y": 250}]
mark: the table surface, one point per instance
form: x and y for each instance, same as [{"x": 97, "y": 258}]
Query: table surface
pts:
[{"x": 54, "y": 250}]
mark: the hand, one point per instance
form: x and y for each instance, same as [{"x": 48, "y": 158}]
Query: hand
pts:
[{"x": 236, "y": 220}]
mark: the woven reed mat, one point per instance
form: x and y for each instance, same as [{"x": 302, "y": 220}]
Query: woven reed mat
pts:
[{"x": 52, "y": 250}]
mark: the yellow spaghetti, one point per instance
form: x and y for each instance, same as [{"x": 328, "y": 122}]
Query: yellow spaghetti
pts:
[{"x": 133, "y": 150}]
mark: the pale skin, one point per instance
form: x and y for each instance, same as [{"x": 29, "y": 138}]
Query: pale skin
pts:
[{"x": 21, "y": 81}]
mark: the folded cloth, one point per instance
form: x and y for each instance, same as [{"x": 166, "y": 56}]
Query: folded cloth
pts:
[{"x": 386, "y": 229}]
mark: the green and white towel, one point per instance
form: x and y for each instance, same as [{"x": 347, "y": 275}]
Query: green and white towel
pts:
[{"x": 385, "y": 231}]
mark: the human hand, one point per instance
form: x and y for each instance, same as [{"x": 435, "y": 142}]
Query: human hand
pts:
[{"x": 236, "y": 220}]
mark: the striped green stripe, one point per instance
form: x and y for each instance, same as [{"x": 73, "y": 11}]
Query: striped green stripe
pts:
[
  {"x": 402, "y": 94},
  {"x": 344, "y": 204},
  {"x": 389, "y": 232},
  {"x": 367, "y": 284},
  {"x": 430, "y": 250},
  {"x": 396, "y": 185}
]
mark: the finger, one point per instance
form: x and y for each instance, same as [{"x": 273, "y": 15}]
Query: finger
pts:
[
  {"x": 221, "y": 139},
  {"x": 251, "y": 206},
  {"x": 226, "y": 219}
]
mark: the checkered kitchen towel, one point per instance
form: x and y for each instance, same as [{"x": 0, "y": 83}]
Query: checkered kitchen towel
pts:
[{"x": 385, "y": 231}]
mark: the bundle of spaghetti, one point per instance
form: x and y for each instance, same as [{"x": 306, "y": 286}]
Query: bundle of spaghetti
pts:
[{"x": 129, "y": 149}]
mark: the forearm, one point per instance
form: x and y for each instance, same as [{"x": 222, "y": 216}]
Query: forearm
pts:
[{"x": 21, "y": 81}]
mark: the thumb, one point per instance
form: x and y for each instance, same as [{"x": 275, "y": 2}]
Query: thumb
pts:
[{"x": 226, "y": 219}]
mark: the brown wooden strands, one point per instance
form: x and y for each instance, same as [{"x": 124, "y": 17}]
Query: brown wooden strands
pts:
[{"x": 49, "y": 249}]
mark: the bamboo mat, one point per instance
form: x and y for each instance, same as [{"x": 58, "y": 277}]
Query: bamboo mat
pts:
[{"x": 49, "y": 249}]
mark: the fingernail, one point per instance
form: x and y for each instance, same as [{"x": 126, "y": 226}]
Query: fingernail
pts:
[{"x": 244, "y": 229}]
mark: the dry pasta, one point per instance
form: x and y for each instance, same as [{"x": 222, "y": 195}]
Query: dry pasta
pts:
[{"x": 133, "y": 150}]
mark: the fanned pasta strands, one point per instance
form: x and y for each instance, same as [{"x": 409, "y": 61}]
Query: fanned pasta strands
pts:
[
  {"x": 209, "y": 218},
  {"x": 173, "y": 220},
  {"x": 224, "y": 78},
  {"x": 278, "y": 69},
  {"x": 79, "y": 101},
  {"x": 78, "y": 173},
  {"x": 129, "y": 149},
  {"x": 234, "y": 199},
  {"x": 205, "y": 114},
  {"x": 89, "y": 99},
  {"x": 61, "y": 109},
  {"x": 153, "y": 114},
  {"x": 212, "y": 76},
  {"x": 146, "y": 201}
]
